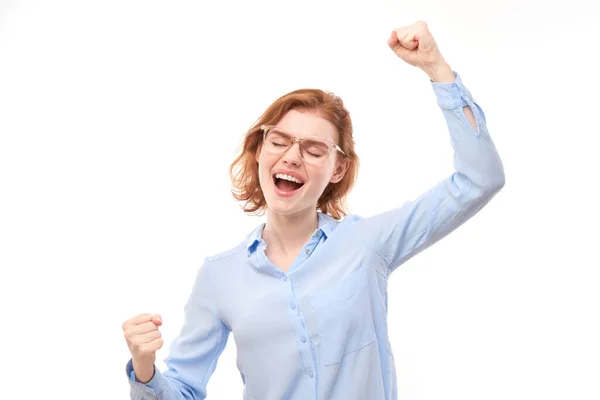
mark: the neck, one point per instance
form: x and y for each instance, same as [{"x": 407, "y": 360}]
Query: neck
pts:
[{"x": 285, "y": 234}]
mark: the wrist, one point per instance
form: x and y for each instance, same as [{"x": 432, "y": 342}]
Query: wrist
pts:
[
  {"x": 143, "y": 372},
  {"x": 440, "y": 72}
]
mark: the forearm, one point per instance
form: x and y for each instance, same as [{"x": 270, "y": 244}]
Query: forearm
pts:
[
  {"x": 475, "y": 155},
  {"x": 440, "y": 72}
]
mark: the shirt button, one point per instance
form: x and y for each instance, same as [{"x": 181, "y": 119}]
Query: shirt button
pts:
[
  {"x": 293, "y": 306},
  {"x": 307, "y": 251},
  {"x": 310, "y": 373},
  {"x": 303, "y": 339},
  {"x": 285, "y": 278},
  {"x": 318, "y": 233}
]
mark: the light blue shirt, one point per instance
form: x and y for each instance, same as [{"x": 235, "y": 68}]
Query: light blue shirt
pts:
[{"x": 319, "y": 331}]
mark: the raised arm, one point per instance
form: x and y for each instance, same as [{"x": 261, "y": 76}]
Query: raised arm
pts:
[{"x": 399, "y": 234}]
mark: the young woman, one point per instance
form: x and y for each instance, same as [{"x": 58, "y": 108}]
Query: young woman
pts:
[{"x": 305, "y": 295}]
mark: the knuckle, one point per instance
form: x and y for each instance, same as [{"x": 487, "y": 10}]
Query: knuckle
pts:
[{"x": 137, "y": 341}]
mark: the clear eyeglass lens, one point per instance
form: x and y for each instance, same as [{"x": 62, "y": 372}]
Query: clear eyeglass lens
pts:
[
  {"x": 313, "y": 149},
  {"x": 277, "y": 141}
]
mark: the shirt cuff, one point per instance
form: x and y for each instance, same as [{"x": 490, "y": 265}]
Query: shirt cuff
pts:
[
  {"x": 452, "y": 95},
  {"x": 156, "y": 384}
]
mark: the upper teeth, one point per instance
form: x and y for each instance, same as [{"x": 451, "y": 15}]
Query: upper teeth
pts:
[{"x": 288, "y": 178}]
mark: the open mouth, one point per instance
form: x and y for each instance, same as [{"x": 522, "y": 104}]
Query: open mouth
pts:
[{"x": 287, "y": 183}]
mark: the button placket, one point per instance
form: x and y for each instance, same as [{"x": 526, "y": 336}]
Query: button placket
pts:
[
  {"x": 297, "y": 320},
  {"x": 305, "y": 346}
]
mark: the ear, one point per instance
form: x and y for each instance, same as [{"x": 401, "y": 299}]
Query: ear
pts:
[{"x": 341, "y": 166}]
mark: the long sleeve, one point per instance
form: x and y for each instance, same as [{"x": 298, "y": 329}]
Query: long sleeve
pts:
[
  {"x": 401, "y": 233},
  {"x": 193, "y": 354}
]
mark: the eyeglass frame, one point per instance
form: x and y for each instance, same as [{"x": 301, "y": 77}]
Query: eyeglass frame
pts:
[{"x": 332, "y": 145}]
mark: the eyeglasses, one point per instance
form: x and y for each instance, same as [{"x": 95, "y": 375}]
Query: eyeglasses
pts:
[{"x": 313, "y": 149}]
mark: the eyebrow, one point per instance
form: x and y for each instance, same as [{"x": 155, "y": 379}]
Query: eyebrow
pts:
[{"x": 296, "y": 135}]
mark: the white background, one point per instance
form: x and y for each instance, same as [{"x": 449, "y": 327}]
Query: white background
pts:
[{"x": 119, "y": 119}]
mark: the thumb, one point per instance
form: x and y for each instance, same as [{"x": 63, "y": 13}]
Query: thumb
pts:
[
  {"x": 396, "y": 46},
  {"x": 393, "y": 41},
  {"x": 157, "y": 319}
]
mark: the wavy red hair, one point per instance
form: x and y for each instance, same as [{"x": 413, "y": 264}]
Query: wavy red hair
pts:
[{"x": 244, "y": 169}]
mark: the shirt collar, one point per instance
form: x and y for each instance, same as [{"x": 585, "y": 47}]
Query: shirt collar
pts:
[
  {"x": 254, "y": 238},
  {"x": 326, "y": 226}
]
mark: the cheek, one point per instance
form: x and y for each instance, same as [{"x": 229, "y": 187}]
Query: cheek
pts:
[
  {"x": 265, "y": 164},
  {"x": 262, "y": 170},
  {"x": 320, "y": 177}
]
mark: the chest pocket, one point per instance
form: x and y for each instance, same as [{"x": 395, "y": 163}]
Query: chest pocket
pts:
[{"x": 343, "y": 317}]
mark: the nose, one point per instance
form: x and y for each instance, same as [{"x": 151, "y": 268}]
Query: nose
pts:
[{"x": 292, "y": 155}]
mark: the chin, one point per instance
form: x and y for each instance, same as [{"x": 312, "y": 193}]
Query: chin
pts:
[{"x": 285, "y": 207}]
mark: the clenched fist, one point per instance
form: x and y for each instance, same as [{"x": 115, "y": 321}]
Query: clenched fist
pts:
[
  {"x": 415, "y": 45},
  {"x": 143, "y": 339}
]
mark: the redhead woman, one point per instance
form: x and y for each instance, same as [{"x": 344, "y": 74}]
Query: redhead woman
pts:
[{"x": 305, "y": 294}]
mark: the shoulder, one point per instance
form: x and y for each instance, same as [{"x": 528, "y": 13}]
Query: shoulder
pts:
[
  {"x": 238, "y": 250},
  {"x": 226, "y": 254}
]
